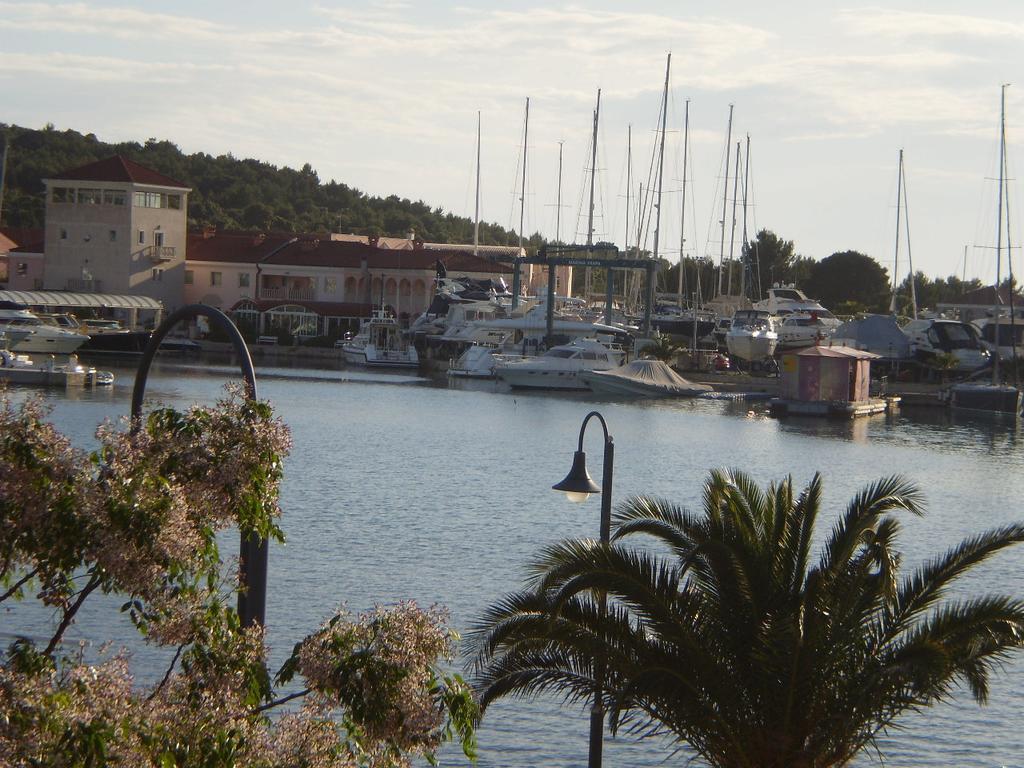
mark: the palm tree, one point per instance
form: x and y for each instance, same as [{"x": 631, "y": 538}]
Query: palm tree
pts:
[
  {"x": 723, "y": 634},
  {"x": 664, "y": 348}
]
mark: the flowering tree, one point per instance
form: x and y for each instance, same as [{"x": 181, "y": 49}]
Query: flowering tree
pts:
[{"x": 138, "y": 517}]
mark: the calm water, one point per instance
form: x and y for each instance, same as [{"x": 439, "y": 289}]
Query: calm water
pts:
[{"x": 405, "y": 488}]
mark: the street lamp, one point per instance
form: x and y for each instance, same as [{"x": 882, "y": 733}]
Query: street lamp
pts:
[{"x": 578, "y": 486}]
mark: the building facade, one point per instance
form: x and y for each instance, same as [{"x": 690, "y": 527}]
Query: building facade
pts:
[
  {"x": 116, "y": 227},
  {"x": 316, "y": 287}
]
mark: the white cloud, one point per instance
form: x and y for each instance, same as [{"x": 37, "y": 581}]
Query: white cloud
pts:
[{"x": 885, "y": 22}]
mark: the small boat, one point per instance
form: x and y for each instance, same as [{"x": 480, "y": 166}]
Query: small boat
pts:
[
  {"x": 21, "y": 369},
  {"x": 752, "y": 336},
  {"x": 381, "y": 344},
  {"x": 642, "y": 378},
  {"x": 560, "y": 366}
]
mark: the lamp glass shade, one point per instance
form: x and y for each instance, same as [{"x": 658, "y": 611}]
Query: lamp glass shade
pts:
[{"x": 578, "y": 484}]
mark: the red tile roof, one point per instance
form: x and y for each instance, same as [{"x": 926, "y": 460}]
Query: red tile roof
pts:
[
  {"x": 23, "y": 235},
  {"x": 118, "y": 168},
  {"x": 308, "y": 251}
]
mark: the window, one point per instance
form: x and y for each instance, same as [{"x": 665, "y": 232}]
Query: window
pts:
[
  {"x": 190, "y": 277},
  {"x": 90, "y": 196},
  {"x": 330, "y": 285},
  {"x": 158, "y": 275},
  {"x": 63, "y": 195},
  {"x": 142, "y": 237},
  {"x": 63, "y": 234},
  {"x": 22, "y": 268},
  {"x": 157, "y": 200},
  {"x": 114, "y": 196},
  {"x": 113, "y": 235},
  {"x": 158, "y": 239},
  {"x": 215, "y": 278},
  {"x": 243, "y": 279}
]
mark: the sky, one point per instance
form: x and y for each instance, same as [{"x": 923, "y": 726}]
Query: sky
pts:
[{"x": 384, "y": 96}]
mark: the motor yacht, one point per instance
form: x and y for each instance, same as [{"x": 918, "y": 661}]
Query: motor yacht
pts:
[
  {"x": 43, "y": 338},
  {"x": 752, "y": 335},
  {"x": 785, "y": 300},
  {"x": 560, "y": 366},
  {"x": 804, "y": 329},
  {"x": 380, "y": 343},
  {"x": 932, "y": 336}
]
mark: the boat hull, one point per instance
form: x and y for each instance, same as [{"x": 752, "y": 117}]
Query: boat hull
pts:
[{"x": 534, "y": 379}]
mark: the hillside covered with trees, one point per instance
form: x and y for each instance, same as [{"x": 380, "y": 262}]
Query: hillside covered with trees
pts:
[{"x": 231, "y": 193}]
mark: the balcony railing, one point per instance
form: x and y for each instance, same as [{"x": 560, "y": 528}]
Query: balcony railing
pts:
[
  {"x": 282, "y": 294},
  {"x": 84, "y": 286},
  {"x": 158, "y": 254}
]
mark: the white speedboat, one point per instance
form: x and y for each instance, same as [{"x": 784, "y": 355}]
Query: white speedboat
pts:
[
  {"x": 805, "y": 329},
  {"x": 642, "y": 378},
  {"x": 380, "y": 343},
  {"x": 43, "y": 338},
  {"x": 559, "y": 367},
  {"x": 752, "y": 336}
]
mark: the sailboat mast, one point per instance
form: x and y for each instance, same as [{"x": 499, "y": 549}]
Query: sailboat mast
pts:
[
  {"x": 725, "y": 199},
  {"x": 661, "y": 157},
  {"x": 896, "y": 257},
  {"x": 682, "y": 215},
  {"x": 590, "y": 207},
  {"x": 628, "y": 275},
  {"x": 476, "y": 213},
  {"x": 522, "y": 194},
  {"x": 3, "y": 174},
  {"x": 629, "y": 181},
  {"x": 558, "y": 201},
  {"x": 999, "y": 217},
  {"x": 735, "y": 200},
  {"x": 910, "y": 255},
  {"x": 744, "y": 249}
]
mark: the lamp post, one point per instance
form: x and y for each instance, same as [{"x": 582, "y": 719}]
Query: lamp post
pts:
[{"x": 578, "y": 486}]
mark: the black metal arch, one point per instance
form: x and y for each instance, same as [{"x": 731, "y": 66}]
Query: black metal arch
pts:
[{"x": 253, "y": 551}]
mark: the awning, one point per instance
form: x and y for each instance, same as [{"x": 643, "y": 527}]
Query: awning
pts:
[{"x": 68, "y": 299}]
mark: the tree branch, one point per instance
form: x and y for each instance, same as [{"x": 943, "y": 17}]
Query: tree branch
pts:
[
  {"x": 19, "y": 584},
  {"x": 69, "y": 615},
  {"x": 167, "y": 674},
  {"x": 282, "y": 700}
]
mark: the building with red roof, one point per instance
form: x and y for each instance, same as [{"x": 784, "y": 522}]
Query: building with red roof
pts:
[
  {"x": 115, "y": 226},
  {"x": 311, "y": 283}
]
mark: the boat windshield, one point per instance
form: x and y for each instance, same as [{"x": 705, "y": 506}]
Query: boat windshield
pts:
[
  {"x": 561, "y": 353},
  {"x": 950, "y": 336}
]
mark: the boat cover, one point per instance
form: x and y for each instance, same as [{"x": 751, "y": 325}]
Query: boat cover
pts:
[
  {"x": 874, "y": 333},
  {"x": 653, "y": 376}
]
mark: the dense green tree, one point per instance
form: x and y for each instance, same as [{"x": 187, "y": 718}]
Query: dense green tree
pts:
[
  {"x": 849, "y": 276},
  {"x": 722, "y": 631},
  {"x": 231, "y": 193},
  {"x": 768, "y": 259}
]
